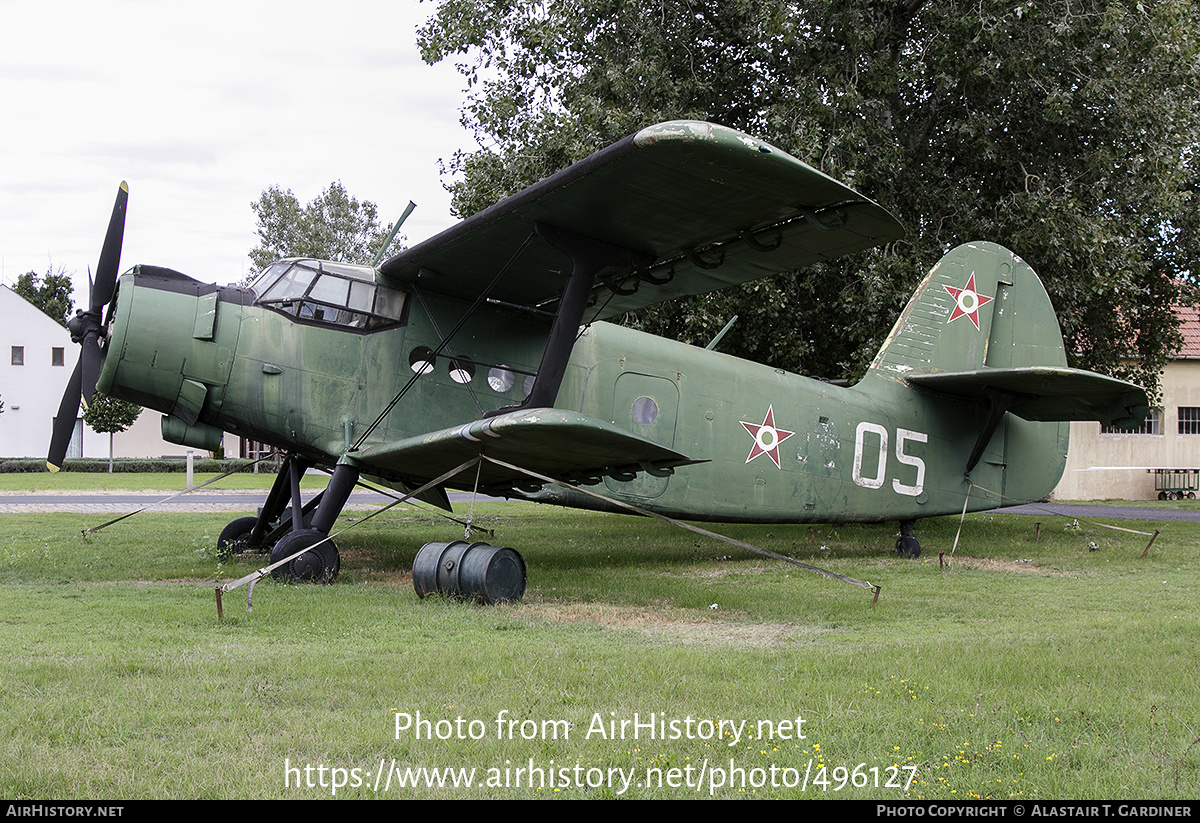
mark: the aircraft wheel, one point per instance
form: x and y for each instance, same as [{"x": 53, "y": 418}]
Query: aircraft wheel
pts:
[
  {"x": 233, "y": 537},
  {"x": 321, "y": 565},
  {"x": 908, "y": 547}
]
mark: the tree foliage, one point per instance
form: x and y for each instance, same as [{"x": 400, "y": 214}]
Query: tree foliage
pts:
[
  {"x": 333, "y": 226},
  {"x": 109, "y": 415},
  {"x": 51, "y": 294},
  {"x": 1066, "y": 130}
]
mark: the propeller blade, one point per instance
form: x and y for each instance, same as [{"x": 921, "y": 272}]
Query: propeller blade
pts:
[
  {"x": 110, "y": 254},
  {"x": 89, "y": 359},
  {"x": 64, "y": 423}
]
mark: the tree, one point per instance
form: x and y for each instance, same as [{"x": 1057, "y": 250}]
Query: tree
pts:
[
  {"x": 108, "y": 414},
  {"x": 1065, "y": 129},
  {"x": 52, "y": 294},
  {"x": 334, "y": 226}
]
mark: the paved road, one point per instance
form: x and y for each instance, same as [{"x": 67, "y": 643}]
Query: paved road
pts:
[
  {"x": 198, "y": 501},
  {"x": 249, "y": 501},
  {"x": 1114, "y": 512}
]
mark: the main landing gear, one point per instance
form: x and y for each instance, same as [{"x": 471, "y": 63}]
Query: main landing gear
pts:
[
  {"x": 287, "y": 525},
  {"x": 906, "y": 544}
]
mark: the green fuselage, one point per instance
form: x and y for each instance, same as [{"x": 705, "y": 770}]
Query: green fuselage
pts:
[{"x": 880, "y": 450}]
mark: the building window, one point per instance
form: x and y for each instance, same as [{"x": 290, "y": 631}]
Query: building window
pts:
[
  {"x": 18, "y": 355},
  {"x": 1189, "y": 419},
  {"x": 1151, "y": 425},
  {"x": 56, "y": 355}
]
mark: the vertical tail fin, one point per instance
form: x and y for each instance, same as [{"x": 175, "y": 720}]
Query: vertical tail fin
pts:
[
  {"x": 980, "y": 307},
  {"x": 981, "y": 326}
]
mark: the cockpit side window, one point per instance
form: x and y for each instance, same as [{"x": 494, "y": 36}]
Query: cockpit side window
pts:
[{"x": 333, "y": 294}]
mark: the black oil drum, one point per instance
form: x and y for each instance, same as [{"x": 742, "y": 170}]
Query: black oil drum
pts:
[{"x": 469, "y": 571}]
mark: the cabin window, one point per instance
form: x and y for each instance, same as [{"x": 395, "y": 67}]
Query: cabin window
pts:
[
  {"x": 18, "y": 355},
  {"x": 461, "y": 371},
  {"x": 56, "y": 355},
  {"x": 421, "y": 360},
  {"x": 332, "y": 294},
  {"x": 644, "y": 411},
  {"x": 501, "y": 379}
]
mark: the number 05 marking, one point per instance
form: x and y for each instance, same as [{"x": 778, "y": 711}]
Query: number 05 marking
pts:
[{"x": 876, "y": 478}]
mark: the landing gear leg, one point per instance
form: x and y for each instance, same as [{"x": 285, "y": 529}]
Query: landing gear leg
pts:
[
  {"x": 261, "y": 532},
  {"x": 906, "y": 544},
  {"x": 322, "y": 563}
]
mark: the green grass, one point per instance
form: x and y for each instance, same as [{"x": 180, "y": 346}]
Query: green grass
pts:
[{"x": 1026, "y": 668}]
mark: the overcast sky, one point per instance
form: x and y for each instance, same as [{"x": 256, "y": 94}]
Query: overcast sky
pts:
[{"x": 200, "y": 107}]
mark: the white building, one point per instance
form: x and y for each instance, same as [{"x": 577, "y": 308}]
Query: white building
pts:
[
  {"x": 1130, "y": 465},
  {"x": 37, "y": 358}
]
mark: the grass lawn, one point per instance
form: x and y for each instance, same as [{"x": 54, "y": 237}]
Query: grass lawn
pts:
[{"x": 645, "y": 662}]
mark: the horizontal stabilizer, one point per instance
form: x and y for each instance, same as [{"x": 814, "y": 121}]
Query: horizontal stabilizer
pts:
[
  {"x": 562, "y": 444},
  {"x": 1047, "y": 393}
]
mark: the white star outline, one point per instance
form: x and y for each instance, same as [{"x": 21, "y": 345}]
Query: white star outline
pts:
[
  {"x": 967, "y": 302},
  {"x": 767, "y": 437}
]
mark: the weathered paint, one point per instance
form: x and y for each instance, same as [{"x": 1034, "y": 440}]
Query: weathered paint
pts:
[{"x": 702, "y": 207}]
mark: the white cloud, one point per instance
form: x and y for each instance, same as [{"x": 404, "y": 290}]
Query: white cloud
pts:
[{"x": 202, "y": 110}]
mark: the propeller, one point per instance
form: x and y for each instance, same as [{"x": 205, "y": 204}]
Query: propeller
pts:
[{"x": 85, "y": 328}]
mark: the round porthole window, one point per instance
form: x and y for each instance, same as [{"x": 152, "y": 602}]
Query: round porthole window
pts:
[
  {"x": 461, "y": 371},
  {"x": 501, "y": 379},
  {"x": 420, "y": 360},
  {"x": 644, "y": 411}
]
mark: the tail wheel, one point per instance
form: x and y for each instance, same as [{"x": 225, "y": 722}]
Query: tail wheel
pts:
[{"x": 907, "y": 546}]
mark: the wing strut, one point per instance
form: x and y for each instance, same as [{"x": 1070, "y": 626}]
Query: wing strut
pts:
[{"x": 588, "y": 258}]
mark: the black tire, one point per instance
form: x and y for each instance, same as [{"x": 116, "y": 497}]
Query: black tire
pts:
[
  {"x": 1162, "y": 495},
  {"x": 908, "y": 547},
  {"x": 233, "y": 537},
  {"x": 321, "y": 565}
]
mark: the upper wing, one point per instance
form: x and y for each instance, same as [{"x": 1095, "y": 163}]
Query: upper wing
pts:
[
  {"x": 562, "y": 444},
  {"x": 710, "y": 206}
]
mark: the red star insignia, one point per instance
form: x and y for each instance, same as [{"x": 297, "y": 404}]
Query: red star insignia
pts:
[
  {"x": 766, "y": 437},
  {"x": 967, "y": 302}
]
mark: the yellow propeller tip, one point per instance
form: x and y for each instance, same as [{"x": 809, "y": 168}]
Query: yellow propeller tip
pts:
[
  {"x": 124, "y": 187},
  {"x": 51, "y": 467}
]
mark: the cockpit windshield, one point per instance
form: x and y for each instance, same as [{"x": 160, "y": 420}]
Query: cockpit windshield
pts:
[{"x": 336, "y": 294}]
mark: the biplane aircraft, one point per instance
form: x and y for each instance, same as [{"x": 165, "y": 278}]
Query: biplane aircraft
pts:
[{"x": 490, "y": 339}]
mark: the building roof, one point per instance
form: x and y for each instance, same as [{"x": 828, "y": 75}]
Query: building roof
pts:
[{"x": 1189, "y": 328}]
